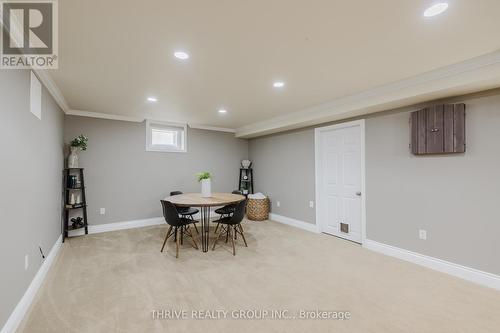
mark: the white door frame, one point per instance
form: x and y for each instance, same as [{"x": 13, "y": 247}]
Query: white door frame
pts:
[{"x": 317, "y": 132}]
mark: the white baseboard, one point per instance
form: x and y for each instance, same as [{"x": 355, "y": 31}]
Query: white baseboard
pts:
[
  {"x": 466, "y": 273},
  {"x": 24, "y": 304},
  {"x": 98, "y": 228},
  {"x": 294, "y": 223}
]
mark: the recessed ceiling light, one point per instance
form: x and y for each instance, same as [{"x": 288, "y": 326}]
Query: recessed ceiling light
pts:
[
  {"x": 278, "y": 84},
  {"x": 222, "y": 111},
  {"x": 436, "y": 9},
  {"x": 152, "y": 99},
  {"x": 181, "y": 55}
]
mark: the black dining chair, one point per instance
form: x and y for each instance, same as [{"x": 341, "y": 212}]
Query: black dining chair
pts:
[
  {"x": 232, "y": 224},
  {"x": 179, "y": 226},
  {"x": 227, "y": 210},
  {"x": 187, "y": 212}
]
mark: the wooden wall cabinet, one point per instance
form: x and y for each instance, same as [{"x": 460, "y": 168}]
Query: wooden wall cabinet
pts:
[{"x": 439, "y": 129}]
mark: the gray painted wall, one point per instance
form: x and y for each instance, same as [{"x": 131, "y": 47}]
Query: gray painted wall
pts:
[
  {"x": 284, "y": 170},
  {"x": 129, "y": 181},
  {"x": 30, "y": 184},
  {"x": 455, "y": 197}
]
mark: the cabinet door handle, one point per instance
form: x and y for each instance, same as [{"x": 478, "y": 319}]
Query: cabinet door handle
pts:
[{"x": 358, "y": 194}]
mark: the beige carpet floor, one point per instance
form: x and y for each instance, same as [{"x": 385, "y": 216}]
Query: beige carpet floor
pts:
[{"x": 112, "y": 282}]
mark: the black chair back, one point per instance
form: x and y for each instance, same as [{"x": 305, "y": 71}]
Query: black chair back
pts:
[
  {"x": 170, "y": 213},
  {"x": 237, "y": 192},
  {"x": 179, "y": 209},
  {"x": 239, "y": 212}
]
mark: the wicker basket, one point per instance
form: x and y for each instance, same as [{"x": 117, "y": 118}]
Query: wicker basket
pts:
[{"x": 258, "y": 209}]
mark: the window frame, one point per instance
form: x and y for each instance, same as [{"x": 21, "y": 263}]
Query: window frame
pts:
[{"x": 151, "y": 124}]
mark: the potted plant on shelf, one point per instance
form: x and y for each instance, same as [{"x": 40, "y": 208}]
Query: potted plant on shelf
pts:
[
  {"x": 205, "y": 179},
  {"x": 244, "y": 186},
  {"x": 78, "y": 143}
]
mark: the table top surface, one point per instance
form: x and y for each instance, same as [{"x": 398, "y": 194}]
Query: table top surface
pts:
[{"x": 196, "y": 200}]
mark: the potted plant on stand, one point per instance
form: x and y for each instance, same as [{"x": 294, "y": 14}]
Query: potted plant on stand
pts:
[
  {"x": 244, "y": 186},
  {"x": 78, "y": 143},
  {"x": 205, "y": 179}
]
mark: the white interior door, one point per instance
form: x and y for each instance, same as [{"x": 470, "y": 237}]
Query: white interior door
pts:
[{"x": 339, "y": 179}]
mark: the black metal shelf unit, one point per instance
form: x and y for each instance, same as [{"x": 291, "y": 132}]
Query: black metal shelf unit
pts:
[
  {"x": 74, "y": 182},
  {"x": 246, "y": 181}
]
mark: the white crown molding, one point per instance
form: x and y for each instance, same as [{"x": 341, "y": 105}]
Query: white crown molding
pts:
[
  {"x": 468, "y": 76},
  {"x": 212, "y": 128},
  {"x": 42, "y": 74},
  {"x": 472, "y": 75},
  {"x": 24, "y": 304},
  {"x": 463, "y": 272},
  {"x": 52, "y": 88},
  {"x": 99, "y": 115},
  {"x": 109, "y": 116}
]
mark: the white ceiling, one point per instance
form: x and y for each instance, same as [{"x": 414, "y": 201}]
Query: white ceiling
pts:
[{"x": 115, "y": 53}]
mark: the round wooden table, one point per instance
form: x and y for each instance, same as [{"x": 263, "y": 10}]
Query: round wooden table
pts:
[{"x": 196, "y": 200}]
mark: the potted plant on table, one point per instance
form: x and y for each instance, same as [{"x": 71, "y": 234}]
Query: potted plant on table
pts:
[
  {"x": 205, "y": 179},
  {"x": 78, "y": 143}
]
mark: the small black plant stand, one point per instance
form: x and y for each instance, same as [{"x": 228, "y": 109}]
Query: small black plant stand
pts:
[
  {"x": 246, "y": 181},
  {"x": 68, "y": 189}
]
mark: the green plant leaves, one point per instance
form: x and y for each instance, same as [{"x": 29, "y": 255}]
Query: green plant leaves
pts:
[
  {"x": 203, "y": 175},
  {"x": 80, "y": 142}
]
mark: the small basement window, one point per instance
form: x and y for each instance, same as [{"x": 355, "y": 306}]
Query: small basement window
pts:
[{"x": 165, "y": 137}]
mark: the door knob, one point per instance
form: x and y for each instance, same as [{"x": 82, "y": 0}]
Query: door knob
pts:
[{"x": 358, "y": 194}]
